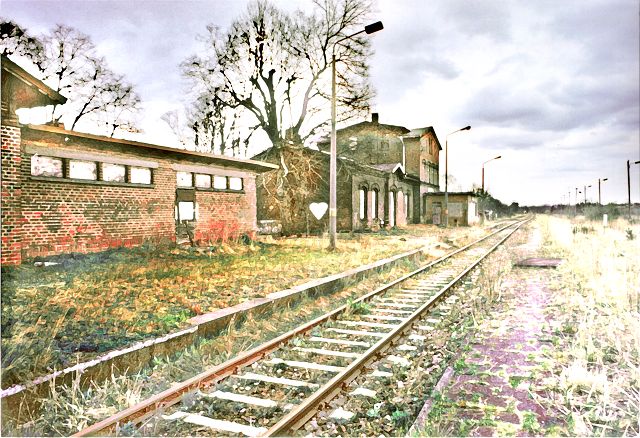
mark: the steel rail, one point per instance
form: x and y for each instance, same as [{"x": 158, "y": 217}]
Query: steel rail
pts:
[
  {"x": 304, "y": 411},
  {"x": 142, "y": 410}
]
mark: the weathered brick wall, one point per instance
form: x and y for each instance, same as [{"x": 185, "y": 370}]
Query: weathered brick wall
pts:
[
  {"x": 11, "y": 191},
  {"x": 226, "y": 215},
  {"x": 61, "y": 216}
]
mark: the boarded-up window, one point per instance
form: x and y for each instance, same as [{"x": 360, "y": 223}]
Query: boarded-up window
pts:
[
  {"x": 184, "y": 179},
  {"x": 235, "y": 183},
  {"x": 46, "y": 166},
  {"x": 113, "y": 172},
  {"x": 140, "y": 175},
  {"x": 203, "y": 181},
  {"x": 186, "y": 211},
  {"x": 220, "y": 182},
  {"x": 83, "y": 170}
]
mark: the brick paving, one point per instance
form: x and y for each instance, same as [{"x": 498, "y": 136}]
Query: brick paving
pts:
[{"x": 498, "y": 387}]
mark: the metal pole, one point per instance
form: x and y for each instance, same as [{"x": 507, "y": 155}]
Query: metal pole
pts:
[
  {"x": 483, "y": 178},
  {"x": 446, "y": 182},
  {"x": 599, "y": 196},
  {"x": 629, "y": 183},
  {"x": 333, "y": 212}
]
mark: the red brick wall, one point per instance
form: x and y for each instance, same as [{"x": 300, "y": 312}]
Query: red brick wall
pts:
[
  {"x": 226, "y": 215},
  {"x": 60, "y": 216},
  {"x": 11, "y": 190}
]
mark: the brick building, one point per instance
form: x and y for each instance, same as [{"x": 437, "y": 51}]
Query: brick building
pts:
[
  {"x": 66, "y": 191},
  {"x": 463, "y": 208},
  {"x": 384, "y": 174}
]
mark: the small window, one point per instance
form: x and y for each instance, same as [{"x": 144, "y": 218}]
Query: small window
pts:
[
  {"x": 186, "y": 211},
  {"x": 113, "y": 172},
  {"x": 140, "y": 175},
  {"x": 203, "y": 181},
  {"x": 83, "y": 170},
  {"x": 184, "y": 179},
  {"x": 46, "y": 166},
  {"x": 235, "y": 183},
  {"x": 220, "y": 182}
]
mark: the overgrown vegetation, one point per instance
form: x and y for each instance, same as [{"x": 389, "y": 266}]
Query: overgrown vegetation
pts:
[
  {"x": 57, "y": 315},
  {"x": 596, "y": 312}
]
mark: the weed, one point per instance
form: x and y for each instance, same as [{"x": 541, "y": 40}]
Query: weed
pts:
[{"x": 530, "y": 422}]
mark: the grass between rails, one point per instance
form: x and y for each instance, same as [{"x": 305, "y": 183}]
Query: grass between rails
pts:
[
  {"x": 71, "y": 408},
  {"x": 55, "y": 316},
  {"x": 596, "y": 314}
]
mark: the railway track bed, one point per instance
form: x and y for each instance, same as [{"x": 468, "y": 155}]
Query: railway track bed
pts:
[{"x": 332, "y": 371}]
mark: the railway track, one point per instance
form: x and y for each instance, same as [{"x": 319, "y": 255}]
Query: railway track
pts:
[{"x": 277, "y": 387}]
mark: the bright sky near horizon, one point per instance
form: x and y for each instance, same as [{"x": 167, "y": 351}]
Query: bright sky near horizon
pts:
[{"x": 553, "y": 87}]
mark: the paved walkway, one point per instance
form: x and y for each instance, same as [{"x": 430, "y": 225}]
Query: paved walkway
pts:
[{"x": 497, "y": 387}]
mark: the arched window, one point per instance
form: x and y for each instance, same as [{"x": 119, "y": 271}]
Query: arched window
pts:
[
  {"x": 374, "y": 203},
  {"x": 362, "y": 211}
]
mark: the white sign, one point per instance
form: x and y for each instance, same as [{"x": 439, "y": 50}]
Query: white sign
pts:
[{"x": 318, "y": 209}]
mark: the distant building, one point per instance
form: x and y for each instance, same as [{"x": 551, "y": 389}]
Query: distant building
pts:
[
  {"x": 463, "y": 208},
  {"x": 65, "y": 191},
  {"x": 384, "y": 174}
]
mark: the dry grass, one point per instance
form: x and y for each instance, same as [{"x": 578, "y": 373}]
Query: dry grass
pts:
[
  {"x": 56, "y": 316},
  {"x": 71, "y": 408},
  {"x": 596, "y": 311}
]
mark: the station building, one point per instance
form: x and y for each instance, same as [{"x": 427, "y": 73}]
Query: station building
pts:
[
  {"x": 384, "y": 175},
  {"x": 66, "y": 191}
]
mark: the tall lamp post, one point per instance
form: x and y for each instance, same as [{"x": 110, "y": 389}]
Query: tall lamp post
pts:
[
  {"x": 585, "y": 193},
  {"x": 333, "y": 211},
  {"x": 446, "y": 174},
  {"x": 629, "y": 187},
  {"x": 599, "y": 195},
  {"x": 494, "y": 158}
]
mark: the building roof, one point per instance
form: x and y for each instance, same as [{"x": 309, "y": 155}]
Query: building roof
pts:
[
  {"x": 39, "y": 94},
  {"x": 219, "y": 160},
  {"x": 388, "y": 167},
  {"x": 419, "y": 132}
]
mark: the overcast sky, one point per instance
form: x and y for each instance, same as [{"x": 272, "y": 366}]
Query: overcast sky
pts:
[{"x": 552, "y": 86}]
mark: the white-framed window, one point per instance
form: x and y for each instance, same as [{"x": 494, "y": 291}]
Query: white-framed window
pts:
[
  {"x": 83, "y": 170},
  {"x": 203, "y": 181},
  {"x": 220, "y": 182},
  {"x": 46, "y": 166},
  {"x": 139, "y": 175},
  {"x": 184, "y": 179},
  {"x": 235, "y": 183},
  {"x": 113, "y": 172}
]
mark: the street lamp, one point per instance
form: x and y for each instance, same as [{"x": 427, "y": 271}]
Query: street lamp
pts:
[
  {"x": 333, "y": 211},
  {"x": 446, "y": 174},
  {"x": 629, "y": 186},
  {"x": 599, "y": 197},
  {"x": 585, "y": 193},
  {"x": 495, "y": 158}
]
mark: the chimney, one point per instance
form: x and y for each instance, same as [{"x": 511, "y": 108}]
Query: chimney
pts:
[{"x": 374, "y": 118}]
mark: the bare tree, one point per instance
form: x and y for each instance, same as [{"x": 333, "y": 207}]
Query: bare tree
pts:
[
  {"x": 16, "y": 40},
  {"x": 69, "y": 63},
  {"x": 270, "y": 72}
]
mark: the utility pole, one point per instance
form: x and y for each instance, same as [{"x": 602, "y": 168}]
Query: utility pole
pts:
[{"x": 629, "y": 187}]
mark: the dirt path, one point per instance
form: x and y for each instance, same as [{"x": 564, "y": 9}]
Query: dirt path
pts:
[{"x": 497, "y": 384}]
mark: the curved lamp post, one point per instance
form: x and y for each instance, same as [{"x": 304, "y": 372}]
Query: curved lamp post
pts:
[
  {"x": 629, "y": 187},
  {"x": 599, "y": 182},
  {"x": 333, "y": 211},
  {"x": 585, "y": 193},
  {"x": 446, "y": 174},
  {"x": 494, "y": 158}
]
